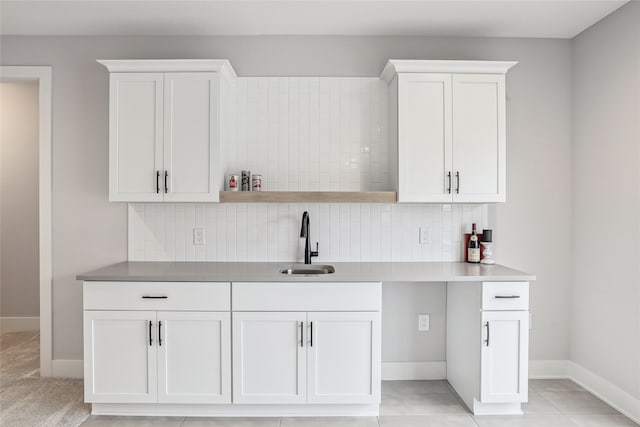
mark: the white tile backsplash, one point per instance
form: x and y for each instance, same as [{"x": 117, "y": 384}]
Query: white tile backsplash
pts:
[
  {"x": 305, "y": 133},
  {"x": 312, "y": 133},
  {"x": 270, "y": 231}
]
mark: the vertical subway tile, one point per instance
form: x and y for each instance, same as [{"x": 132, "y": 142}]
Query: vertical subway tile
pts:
[
  {"x": 252, "y": 232},
  {"x": 355, "y": 236},
  {"x": 294, "y": 133},
  {"x": 242, "y": 226},
  {"x": 375, "y": 228},
  {"x": 169, "y": 231},
  {"x": 180, "y": 232},
  {"x": 190, "y": 223}
]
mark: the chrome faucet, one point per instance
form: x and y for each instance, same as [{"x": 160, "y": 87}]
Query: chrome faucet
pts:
[{"x": 304, "y": 232}]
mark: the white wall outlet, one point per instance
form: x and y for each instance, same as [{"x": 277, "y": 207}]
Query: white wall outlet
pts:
[
  {"x": 198, "y": 236},
  {"x": 424, "y": 235},
  {"x": 423, "y": 322}
]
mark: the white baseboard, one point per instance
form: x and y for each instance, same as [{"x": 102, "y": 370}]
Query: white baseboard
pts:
[
  {"x": 19, "y": 324},
  {"x": 414, "y": 371},
  {"x": 610, "y": 393},
  {"x": 67, "y": 368},
  {"x": 539, "y": 369}
]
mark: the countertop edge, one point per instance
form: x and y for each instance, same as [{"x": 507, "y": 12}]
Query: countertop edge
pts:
[{"x": 387, "y": 272}]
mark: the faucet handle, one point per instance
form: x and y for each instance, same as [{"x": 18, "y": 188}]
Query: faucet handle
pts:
[{"x": 315, "y": 253}]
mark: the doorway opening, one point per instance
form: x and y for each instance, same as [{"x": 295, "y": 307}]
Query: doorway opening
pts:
[{"x": 25, "y": 204}]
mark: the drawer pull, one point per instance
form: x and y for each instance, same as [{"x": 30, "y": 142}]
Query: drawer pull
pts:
[
  {"x": 160, "y": 333},
  {"x": 150, "y": 331},
  {"x": 507, "y": 296},
  {"x": 152, "y": 297}
]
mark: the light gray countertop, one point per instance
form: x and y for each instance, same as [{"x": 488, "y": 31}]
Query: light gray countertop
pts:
[{"x": 270, "y": 272}]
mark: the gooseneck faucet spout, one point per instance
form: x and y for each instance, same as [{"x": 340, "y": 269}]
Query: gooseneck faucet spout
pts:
[{"x": 304, "y": 232}]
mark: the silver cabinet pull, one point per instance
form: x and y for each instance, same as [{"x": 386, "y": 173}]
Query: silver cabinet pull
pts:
[
  {"x": 449, "y": 178},
  {"x": 154, "y": 297},
  {"x": 157, "y": 182},
  {"x": 457, "y": 182},
  {"x": 160, "y": 333},
  {"x": 311, "y": 341},
  {"x": 487, "y": 340},
  {"x": 301, "y": 334},
  {"x": 507, "y": 296}
]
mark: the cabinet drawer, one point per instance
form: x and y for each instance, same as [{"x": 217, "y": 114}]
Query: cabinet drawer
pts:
[
  {"x": 306, "y": 296},
  {"x": 186, "y": 296},
  {"x": 505, "y": 295}
]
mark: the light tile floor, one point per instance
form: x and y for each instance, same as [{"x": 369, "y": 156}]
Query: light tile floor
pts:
[{"x": 552, "y": 403}]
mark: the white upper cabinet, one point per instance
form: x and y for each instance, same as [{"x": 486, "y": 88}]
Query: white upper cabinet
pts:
[
  {"x": 479, "y": 139},
  {"x": 135, "y": 136},
  {"x": 424, "y": 127},
  {"x": 448, "y": 124},
  {"x": 167, "y": 120}
]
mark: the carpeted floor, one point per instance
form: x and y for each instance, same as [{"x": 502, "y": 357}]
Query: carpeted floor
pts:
[{"x": 26, "y": 400}]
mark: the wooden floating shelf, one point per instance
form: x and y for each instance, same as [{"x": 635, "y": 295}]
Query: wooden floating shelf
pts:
[{"x": 308, "y": 197}]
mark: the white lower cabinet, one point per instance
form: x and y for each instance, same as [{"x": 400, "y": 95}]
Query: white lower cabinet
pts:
[
  {"x": 194, "y": 357},
  {"x": 504, "y": 356},
  {"x": 143, "y": 346},
  {"x": 343, "y": 357},
  {"x": 488, "y": 345},
  {"x": 313, "y": 357},
  {"x": 164, "y": 357},
  {"x": 120, "y": 356},
  {"x": 306, "y": 343},
  {"x": 269, "y": 357}
]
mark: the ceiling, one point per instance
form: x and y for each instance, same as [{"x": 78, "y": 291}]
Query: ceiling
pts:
[{"x": 465, "y": 18}]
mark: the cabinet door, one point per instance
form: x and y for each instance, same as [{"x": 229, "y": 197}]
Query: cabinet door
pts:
[
  {"x": 504, "y": 356},
  {"x": 424, "y": 137},
  {"x": 344, "y": 357},
  {"x": 269, "y": 357},
  {"x": 190, "y": 137},
  {"x": 194, "y": 357},
  {"x": 120, "y": 356},
  {"x": 479, "y": 138},
  {"x": 135, "y": 136}
]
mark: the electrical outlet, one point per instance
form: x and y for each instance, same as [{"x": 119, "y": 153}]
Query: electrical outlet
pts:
[
  {"x": 423, "y": 322},
  {"x": 198, "y": 236},
  {"x": 424, "y": 235}
]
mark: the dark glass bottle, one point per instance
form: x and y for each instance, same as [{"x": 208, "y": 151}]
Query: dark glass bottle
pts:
[{"x": 473, "y": 249}]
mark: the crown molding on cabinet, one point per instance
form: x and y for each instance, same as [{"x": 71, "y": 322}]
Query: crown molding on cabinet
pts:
[
  {"x": 395, "y": 66},
  {"x": 223, "y": 66}
]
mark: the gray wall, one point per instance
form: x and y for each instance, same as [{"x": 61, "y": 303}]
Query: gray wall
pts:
[
  {"x": 19, "y": 278},
  {"x": 89, "y": 232},
  {"x": 605, "y": 327}
]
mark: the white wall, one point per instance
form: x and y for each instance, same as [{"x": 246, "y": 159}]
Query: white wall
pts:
[
  {"x": 605, "y": 324},
  {"x": 89, "y": 232},
  {"x": 19, "y": 281}
]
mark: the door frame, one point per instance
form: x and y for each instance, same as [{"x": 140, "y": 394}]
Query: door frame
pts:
[{"x": 42, "y": 75}]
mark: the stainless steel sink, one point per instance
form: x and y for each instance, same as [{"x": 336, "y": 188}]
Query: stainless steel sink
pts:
[{"x": 308, "y": 269}]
